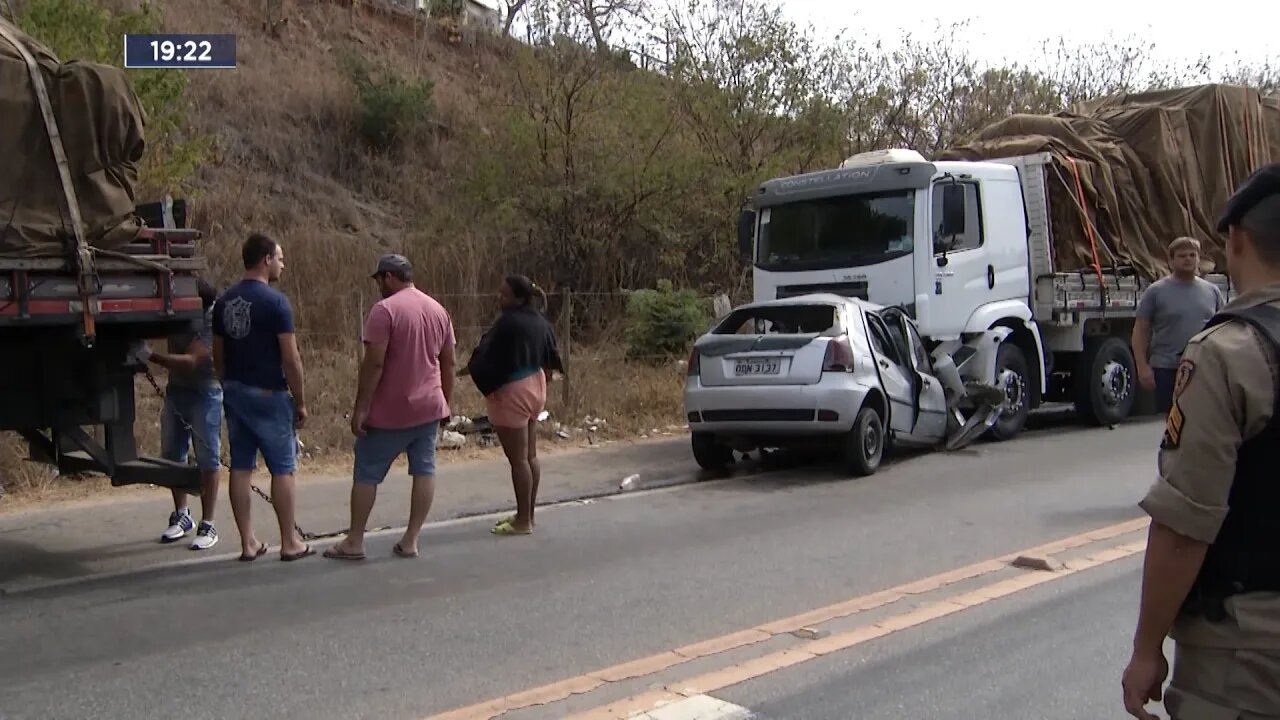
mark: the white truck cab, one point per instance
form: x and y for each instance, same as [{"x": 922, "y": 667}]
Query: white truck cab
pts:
[{"x": 964, "y": 248}]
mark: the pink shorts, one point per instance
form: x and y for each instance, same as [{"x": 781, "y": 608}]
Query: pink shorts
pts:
[{"x": 518, "y": 403}]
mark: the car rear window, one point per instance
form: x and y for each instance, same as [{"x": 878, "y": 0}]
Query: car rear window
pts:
[{"x": 781, "y": 320}]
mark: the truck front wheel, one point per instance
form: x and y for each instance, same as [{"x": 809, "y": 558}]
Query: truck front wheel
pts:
[
  {"x": 1014, "y": 378},
  {"x": 1105, "y": 381}
]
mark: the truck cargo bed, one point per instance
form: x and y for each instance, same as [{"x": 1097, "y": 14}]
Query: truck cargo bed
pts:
[
  {"x": 1085, "y": 292},
  {"x": 1133, "y": 171},
  {"x": 151, "y": 280},
  {"x": 1058, "y": 295}
]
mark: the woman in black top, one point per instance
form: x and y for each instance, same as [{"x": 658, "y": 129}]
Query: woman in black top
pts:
[{"x": 511, "y": 367}]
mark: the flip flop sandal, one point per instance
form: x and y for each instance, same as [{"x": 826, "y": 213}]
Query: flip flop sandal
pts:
[
  {"x": 399, "y": 551},
  {"x": 507, "y": 529},
  {"x": 250, "y": 558},
  {"x": 307, "y": 551},
  {"x": 334, "y": 553},
  {"x": 507, "y": 521}
]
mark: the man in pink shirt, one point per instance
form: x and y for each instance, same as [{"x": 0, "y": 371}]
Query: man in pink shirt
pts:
[{"x": 406, "y": 382}]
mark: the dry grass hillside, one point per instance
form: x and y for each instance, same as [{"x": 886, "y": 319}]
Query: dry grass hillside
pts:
[
  {"x": 285, "y": 156},
  {"x": 288, "y": 159},
  {"x": 347, "y": 131}
]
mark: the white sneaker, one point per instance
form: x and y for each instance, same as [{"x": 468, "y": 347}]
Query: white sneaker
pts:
[
  {"x": 180, "y": 525},
  {"x": 206, "y": 537}
]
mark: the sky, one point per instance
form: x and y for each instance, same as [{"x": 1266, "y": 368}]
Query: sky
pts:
[{"x": 1002, "y": 29}]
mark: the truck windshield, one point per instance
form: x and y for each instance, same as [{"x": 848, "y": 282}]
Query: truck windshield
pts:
[{"x": 846, "y": 231}]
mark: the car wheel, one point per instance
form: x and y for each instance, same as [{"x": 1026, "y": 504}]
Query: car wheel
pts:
[
  {"x": 710, "y": 453},
  {"x": 1013, "y": 376},
  {"x": 865, "y": 443}
]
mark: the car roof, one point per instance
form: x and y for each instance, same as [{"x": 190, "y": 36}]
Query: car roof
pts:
[{"x": 814, "y": 298}]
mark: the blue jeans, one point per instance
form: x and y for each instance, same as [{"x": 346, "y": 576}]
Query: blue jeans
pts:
[
  {"x": 1165, "y": 378},
  {"x": 377, "y": 449},
  {"x": 260, "y": 421},
  {"x": 201, "y": 408}
]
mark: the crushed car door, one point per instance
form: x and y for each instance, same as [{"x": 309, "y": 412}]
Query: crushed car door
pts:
[
  {"x": 894, "y": 378},
  {"x": 935, "y": 422},
  {"x": 930, "y": 398}
]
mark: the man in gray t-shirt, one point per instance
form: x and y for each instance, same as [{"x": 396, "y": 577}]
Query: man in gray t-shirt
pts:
[
  {"x": 1172, "y": 310},
  {"x": 191, "y": 421}
]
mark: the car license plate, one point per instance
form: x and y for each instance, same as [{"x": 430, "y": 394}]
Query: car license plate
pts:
[{"x": 764, "y": 366}]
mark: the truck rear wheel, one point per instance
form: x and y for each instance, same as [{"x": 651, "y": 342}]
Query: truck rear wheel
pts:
[
  {"x": 1013, "y": 377},
  {"x": 1105, "y": 386}
]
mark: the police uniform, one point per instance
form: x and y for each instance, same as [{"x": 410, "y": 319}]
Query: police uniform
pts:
[{"x": 1219, "y": 483}]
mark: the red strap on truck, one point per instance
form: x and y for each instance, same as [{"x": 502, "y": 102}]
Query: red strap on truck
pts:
[{"x": 1086, "y": 222}]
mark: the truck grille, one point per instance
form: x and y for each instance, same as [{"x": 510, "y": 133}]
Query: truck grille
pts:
[{"x": 855, "y": 289}]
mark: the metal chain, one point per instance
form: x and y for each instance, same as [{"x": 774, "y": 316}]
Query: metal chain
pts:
[{"x": 195, "y": 438}]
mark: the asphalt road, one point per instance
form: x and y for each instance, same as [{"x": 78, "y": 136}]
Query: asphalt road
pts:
[
  {"x": 478, "y": 617},
  {"x": 1053, "y": 653},
  {"x": 50, "y": 545}
]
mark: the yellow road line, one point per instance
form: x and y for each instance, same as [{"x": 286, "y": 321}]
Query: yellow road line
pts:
[
  {"x": 758, "y": 667},
  {"x": 653, "y": 664}
]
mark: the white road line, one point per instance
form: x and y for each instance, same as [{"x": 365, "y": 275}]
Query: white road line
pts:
[{"x": 698, "y": 707}]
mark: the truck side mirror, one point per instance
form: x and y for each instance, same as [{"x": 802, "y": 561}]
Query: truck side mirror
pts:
[
  {"x": 953, "y": 219},
  {"x": 746, "y": 234}
]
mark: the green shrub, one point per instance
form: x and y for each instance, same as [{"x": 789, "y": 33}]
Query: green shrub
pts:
[
  {"x": 446, "y": 8},
  {"x": 390, "y": 104},
  {"x": 83, "y": 30},
  {"x": 663, "y": 322}
]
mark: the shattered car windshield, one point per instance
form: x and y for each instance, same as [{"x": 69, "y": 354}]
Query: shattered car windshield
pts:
[{"x": 781, "y": 320}]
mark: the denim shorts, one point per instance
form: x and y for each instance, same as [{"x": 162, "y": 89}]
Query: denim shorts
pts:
[
  {"x": 377, "y": 449},
  {"x": 260, "y": 421},
  {"x": 201, "y": 408}
]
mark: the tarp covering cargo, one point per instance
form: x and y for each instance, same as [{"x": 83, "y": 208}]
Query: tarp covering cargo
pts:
[
  {"x": 1132, "y": 172},
  {"x": 101, "y": 123}
]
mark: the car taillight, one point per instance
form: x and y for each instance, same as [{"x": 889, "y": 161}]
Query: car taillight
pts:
[
  {"x": 839, "y": 356},
  {"x": 695, "y": 365}
]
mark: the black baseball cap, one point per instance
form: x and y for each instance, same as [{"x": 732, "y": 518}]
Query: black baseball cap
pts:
[
  {"x": 392, "y": 263},
  {"x": 1263, "y": 183}
]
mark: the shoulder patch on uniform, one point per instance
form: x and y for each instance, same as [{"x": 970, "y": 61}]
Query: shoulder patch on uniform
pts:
[
  {"x": 1186, "y": 369},
  {"x": 1173, "y": 428}
]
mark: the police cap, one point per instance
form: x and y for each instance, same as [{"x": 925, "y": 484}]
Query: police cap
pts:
[{"x": 1263, "y": 183}]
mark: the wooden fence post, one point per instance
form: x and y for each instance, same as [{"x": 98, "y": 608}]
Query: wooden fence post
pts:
[
  {"x": 360, "y": 321},
  {"x": 566, "y": 350}
]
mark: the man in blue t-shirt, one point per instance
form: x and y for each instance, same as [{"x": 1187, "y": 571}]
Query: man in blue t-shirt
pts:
[{"x": 257, "y": 359}]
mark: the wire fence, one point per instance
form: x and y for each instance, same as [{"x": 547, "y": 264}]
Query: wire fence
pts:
[
  {"x": 580, "y": 319},
  {"x": 590, "y": 328}
]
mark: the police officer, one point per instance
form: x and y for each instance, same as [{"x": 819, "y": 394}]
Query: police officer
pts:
[{"x": 1211, "y": 577}]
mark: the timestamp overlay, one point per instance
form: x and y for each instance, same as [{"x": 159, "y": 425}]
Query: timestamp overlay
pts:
[{"x": 213, "y": 52}]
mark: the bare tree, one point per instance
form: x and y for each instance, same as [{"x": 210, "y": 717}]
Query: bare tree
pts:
[
  {"x": 603, "y": 17},
  {"x": 513, "y": 8},
  {"x": 930, "y": 92},
  {"x": 744, "y": 73},
  {"x": 1264, "y": 77}
]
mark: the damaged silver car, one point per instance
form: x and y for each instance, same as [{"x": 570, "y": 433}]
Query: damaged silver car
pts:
[{"x": 822, "y": 369}]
